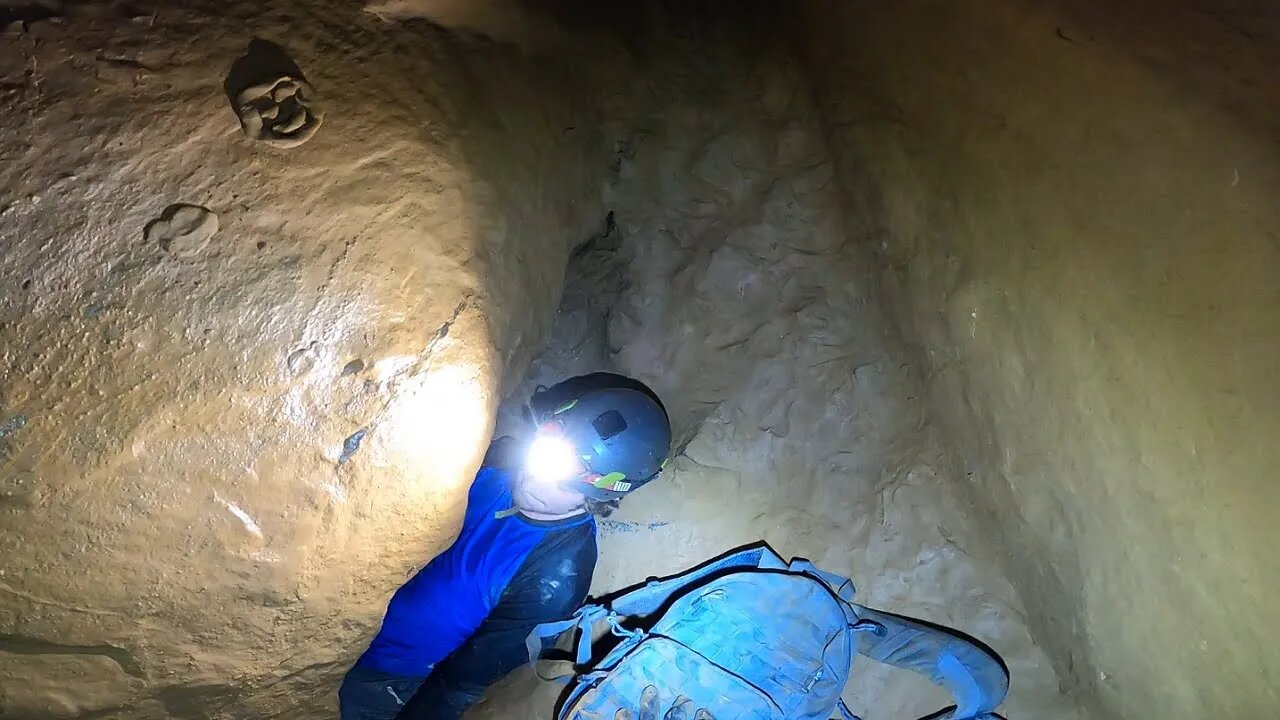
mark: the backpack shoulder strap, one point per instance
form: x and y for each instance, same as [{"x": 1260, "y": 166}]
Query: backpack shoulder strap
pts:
[
  {"x": 536, "y": 643},
  {"x": 975, "y": 676}
]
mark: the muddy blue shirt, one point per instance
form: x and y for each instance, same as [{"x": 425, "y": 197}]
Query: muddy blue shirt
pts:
[{"x": 467, "y": 612}]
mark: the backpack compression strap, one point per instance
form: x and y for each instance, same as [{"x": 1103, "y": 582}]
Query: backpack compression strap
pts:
[
  {"x": 641, "y": 601},
  {"x": 655, "y": 593}
]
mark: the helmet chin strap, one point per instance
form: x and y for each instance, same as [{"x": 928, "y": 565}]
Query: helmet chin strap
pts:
[{"x": 535, "y": 515}]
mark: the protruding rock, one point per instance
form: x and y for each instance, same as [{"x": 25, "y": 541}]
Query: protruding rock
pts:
[{"x": 280, "y": 113}]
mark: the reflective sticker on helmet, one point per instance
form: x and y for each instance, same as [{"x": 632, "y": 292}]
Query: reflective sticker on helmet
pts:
[
  {"x": 622, "y": 487},
  {"x": 565, "y": 407},
  {"x": 611, "y": 481}
]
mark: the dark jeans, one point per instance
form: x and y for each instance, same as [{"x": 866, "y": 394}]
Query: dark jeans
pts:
[
  {"x": 368, "y": 694},
  {"x": 442, "y": 698}
]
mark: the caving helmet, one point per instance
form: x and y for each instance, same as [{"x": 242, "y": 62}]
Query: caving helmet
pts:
[{"x": 602, "y": 434}]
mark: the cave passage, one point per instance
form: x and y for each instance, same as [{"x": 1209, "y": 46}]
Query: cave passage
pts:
[{"x": 974, "y": 304}]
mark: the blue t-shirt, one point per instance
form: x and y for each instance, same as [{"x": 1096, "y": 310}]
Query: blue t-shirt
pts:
[{"x": 446, "y": 602}]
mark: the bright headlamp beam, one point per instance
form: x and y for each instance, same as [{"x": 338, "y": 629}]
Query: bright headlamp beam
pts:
[{"x": 551, "y": 459}]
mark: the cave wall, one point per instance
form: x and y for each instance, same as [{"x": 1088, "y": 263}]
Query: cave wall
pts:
[
  {"x": 729, "y": 281},
  {"x": 191, "y": 522},
  {"x": 976, "y": 305},
  {"x": 1074, "y": 211}
]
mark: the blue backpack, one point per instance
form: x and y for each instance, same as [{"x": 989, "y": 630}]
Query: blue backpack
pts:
[{"x": 751, "y": 637}]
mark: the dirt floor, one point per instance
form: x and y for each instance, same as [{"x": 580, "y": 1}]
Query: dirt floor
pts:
[{"x": 270, "y": 270}]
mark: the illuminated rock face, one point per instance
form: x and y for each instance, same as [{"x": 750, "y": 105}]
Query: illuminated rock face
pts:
[
  {"x": 228, "y": 429},
  {"x": 975, "y": 306}
]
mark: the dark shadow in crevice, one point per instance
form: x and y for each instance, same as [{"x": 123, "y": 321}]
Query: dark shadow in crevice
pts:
[
  {"x": 27, "y": 645},
  {"x": 29, "y": 13},
  {"x": 262, "y": 62}
]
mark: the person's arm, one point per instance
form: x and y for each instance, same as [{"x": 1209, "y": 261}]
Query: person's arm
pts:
[
  {"x": 551, "y": 584},
  {"x": 503, "y": 453}
]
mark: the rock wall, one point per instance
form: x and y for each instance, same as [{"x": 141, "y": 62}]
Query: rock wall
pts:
[
  {"x": 730, "y": 282},
  {"x": 1073, "y": 210},
  {"x": 226, "y": 439}
]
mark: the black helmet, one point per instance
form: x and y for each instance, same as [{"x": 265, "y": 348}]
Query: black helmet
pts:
[{"x": 617, "y": 425}]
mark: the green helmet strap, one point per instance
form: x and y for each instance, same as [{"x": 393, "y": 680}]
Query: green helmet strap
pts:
[{"x": 610, "y": 481}]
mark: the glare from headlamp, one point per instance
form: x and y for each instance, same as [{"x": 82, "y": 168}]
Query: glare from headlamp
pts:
[{"x": 552, "y": 459}]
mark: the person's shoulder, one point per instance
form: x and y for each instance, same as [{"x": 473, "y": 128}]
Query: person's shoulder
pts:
[
  {"x": 577, "y": 541},
  {"x": 504, "y": 453},
  {"x": 560, "y": 569},
  {"x": 490, "y": 482},
  {"x": 489, "y": 473}
]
